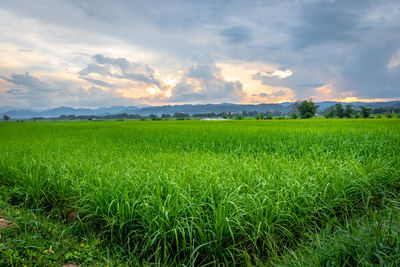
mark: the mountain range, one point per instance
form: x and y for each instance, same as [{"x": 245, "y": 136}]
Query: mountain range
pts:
[{"x": 286, "y": 107}]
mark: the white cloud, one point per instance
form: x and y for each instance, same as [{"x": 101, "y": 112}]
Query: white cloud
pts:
[
  {"x": 280, "y": 74},
  {"x": 28, "y": 90},
  {"x": 394, "y": 60},
  {"x": 291, "y": 46}
]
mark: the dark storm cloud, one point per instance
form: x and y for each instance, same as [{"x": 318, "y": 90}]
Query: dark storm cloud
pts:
[
  {"x": 95, "y": 97},
  {"x": 369, "y": 73},
  {"x": 40, "y": 94},
  {"x": 30, "y": 88},
  {"x": 277, "y": 93},
  {"x": 127, "y": 70},
  {"x": 204, "y": 72},
  {"x": 330, "y": 21},
  {"x": 94, "y": 68},
  {"x": 236, "y": 34},
  {"x": 204, "y": 83},
  {"x": 96, "y": 82},
  {"x": 346, "y": 44},
  {"x": 26, "y": 80},
  {"x": 312, "y": 85},
  {"x": 120, "y": 62},
  {"x": 14, "y": 91}
]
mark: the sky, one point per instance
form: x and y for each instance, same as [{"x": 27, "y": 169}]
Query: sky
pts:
[{"x": 86, "y": 53}]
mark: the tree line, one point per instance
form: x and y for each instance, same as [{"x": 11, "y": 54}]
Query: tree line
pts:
[
  {"x": 338, "y": 111},
  {"x": 305, "y": 109}
]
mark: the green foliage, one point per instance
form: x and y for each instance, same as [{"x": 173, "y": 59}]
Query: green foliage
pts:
[
  {"x": 6, "y": 118},
  {"x": 35, "y": 240},
  {"x": 239, "y": 117},
  {"x": 372, "y": 240},
  {"x": 280, "y": 118},
  {"x": 339, "y": 111},
  {"x": 328, "y": 115},
  {"x": 259, "y": 117},
  {"x": 348, "y": 111},
  {"x": 294, "y": 116},
  {"x": 307, "y": 109},
  {"x": 180, "y": 115},
  {"x": 365, "y": 112},
  {"x": 390, "y": 115},
  {"x": 198, "y": 192},
  {"x": 154, "y": 117}
]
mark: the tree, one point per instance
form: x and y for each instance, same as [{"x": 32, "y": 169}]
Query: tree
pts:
[
  {"x": 239, "y": 117},
  {"x": 276, "y": 113},
  {"x": 268, "y": 116},
  {"x": 293, "y": 116},
  {"x": 180, "y": 115},
  {"x": 365, "y": 112},
  {"x": 307, "y": 109},
  {"x": 294, "y": 108},
  {"x": 6, "y": 118},
  {"x": 328, "y": 114},
  {"x": 339, "y": 111},
  {"x": 389, "y": 115},
  {"x": 259, "y": 117},
  {"x": 348, "y": 111},
  {"x": 153, "y": 117}
]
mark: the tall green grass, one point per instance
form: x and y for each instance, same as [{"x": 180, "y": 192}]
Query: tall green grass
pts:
[
  {"x": 372, "y": 239},
  {"x": 197, "y": 192}
]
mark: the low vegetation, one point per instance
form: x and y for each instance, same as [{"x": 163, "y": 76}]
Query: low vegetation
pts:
[
  {"x": 206, "y": 192},
  {"x": 370, "y": 240},
  {"x": 305, "y": 109},
  {"x": 37, "y": 240}
]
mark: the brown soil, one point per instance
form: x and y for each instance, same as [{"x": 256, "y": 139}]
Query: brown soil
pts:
[{"x": 4, "y": 223}]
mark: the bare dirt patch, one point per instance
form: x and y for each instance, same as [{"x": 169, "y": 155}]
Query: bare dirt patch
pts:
[{"x": 4, "y": 223}]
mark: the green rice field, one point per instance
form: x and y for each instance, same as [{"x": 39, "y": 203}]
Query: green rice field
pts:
[{"x": 195, "y": 192}]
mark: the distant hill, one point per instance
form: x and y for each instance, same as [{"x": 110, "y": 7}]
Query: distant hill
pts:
[
  {"x": 16, "y": 113},
  {"x": 284, "y": 108}
]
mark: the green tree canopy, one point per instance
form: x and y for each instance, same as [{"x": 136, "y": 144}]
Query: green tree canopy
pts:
[
  {"x": 365, "y": 112},
  {"x": 6, "y": 118},
  {"x": 307, "y": 109},
  {"x": 339, "y": 111},
  {"x": 348, "y": 111}
]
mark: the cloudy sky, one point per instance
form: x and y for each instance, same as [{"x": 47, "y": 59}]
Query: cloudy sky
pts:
[{"x": 85, "y": 53}]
